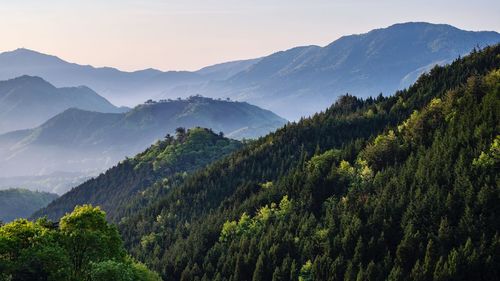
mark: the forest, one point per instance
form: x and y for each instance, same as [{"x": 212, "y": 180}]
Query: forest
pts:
[
  {"x": 388, "y": 188},
  {"x": 403, "y": 187},
  {"x": 81, "y": 246},
  {"x": 135, "y": 181}
]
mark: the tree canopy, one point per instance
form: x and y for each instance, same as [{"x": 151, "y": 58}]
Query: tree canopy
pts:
[{"x": 82, "y": 246}]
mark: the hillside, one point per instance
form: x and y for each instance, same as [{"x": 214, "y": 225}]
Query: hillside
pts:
[
  {"x": 21, "y": 203},
  {"x": 128, "y": 184},
  {"x": 292, "y": 83},
  {"x": 392, "y": 188},
  {"x": 27, "y": 102},
  {"x": 87, "y": 142}
]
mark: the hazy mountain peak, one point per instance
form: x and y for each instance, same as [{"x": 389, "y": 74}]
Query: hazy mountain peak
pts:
[
  {"x": 78, "y": 140},
  {"x": 420, "y": 24},
  {"x": 293, "y": 83},
  {"x": 26, "y": 80},
  {"x": 24, "y": 50},
  {"x": 307, "y": 79},
  {"x": 28, "y": 101},
  {"x": 29, "y": 57}
]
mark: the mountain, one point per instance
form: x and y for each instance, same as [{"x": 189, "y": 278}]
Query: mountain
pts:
[
  {"x": 403, "y": 187},
  {"x": 79, "y": 141},
  {"x": 380, "y": 61},
  {"x": 164, "y": 163},
  {"x": 121, "y": 87},
  {"x": 27, "y": 102},
  {"x": 21, "y": 203},
  {"x": 107, "y": 81},
  {"x": 223, "y": 71},
  {"x": 293, "y": 83},
  {"x": 81, "y": 246},
  {"x": 393, "y": 188}
]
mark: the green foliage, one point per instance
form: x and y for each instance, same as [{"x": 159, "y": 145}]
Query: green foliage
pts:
[
  {"x": 384, "y": 151},
  {"x": 111, "y": 270},
  {"x": 83, "y": 247},
  {"x": 142, "y": 273},
  {"x": 388, "y": 188},
  {"x": 491, "y": 158},
  {"x": 417, "y": 128},
  {"x": 305, "y": 272},
  {"x": 229, "y": 229},
  {"x": 251, "y": 226},
  {"x": 127, "y": 270},
  {"x": 133, "y": 183},
  {"x": 89, "y": 238},
  {"x": 375, "y": 189}
]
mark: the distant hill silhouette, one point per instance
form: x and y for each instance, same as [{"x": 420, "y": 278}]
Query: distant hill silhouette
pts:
[
  {"x": 84, "y": 141},
  {"x": 292, "y": 83},
  {"x": 27, "y": 101}
]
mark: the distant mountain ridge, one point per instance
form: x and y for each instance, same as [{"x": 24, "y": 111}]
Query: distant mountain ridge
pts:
[
  {"x": 28, "y": 101},
  {"x": 292, "y": 83},
  {"x": 58, "y": 182},
  {"x": 403, "y": 187},
  {"x": 120, "y": 86},
  {"x": 380, "y": 61},
  {"x": 84, "y": 141}
]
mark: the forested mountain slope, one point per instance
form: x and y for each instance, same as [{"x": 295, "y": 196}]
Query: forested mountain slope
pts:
[
  {"x": 392, "y": 188},
  {"x": 130, "y": 183},
  {"x": 21, "y": 203}
]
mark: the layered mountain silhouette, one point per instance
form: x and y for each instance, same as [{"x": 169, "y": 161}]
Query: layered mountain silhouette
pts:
[
  {"x": 380, "y": 61},
  {"x": 371, "y": 180},
  {"x": 27, "y": 101},
  {"x": 292, "y": 83},
  {"x": 85, "y": 141},
  {"x": 122, "y": 87}
]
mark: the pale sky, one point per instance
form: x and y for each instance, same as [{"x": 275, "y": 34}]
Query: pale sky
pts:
[{"x": 190, "y": 34}]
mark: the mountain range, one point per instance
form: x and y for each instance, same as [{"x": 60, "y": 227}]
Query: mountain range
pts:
[
  {"x": 122, "y": 87},
  {"x": 27, "y": 102},
  {"x": 403, "y": 187},
  {"x": 293, "y": 83},
  {"x": 87, "y": 142}
]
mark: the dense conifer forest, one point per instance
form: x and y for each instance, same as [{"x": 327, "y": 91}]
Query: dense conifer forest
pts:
[
  {"x": 404, "y": 187},
  {"x": 388, "y": 188},
  {"x": 135, "y": 181}
]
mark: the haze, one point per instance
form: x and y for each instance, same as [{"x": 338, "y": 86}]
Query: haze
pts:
[{"x": 189, "y": 34}]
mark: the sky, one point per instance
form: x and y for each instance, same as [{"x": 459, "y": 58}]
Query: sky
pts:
[{"x": 190, "y": 34}]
